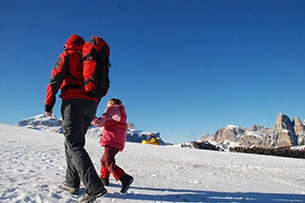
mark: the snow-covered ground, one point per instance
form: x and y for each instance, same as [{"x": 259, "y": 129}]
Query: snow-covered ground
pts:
[{"x": 32, "y": 166}]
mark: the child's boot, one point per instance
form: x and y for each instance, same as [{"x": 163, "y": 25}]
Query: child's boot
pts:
[{"x": 126, "y": 182}]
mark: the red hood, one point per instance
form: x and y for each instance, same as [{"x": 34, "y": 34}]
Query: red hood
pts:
[{"x": 74, "y": 42}]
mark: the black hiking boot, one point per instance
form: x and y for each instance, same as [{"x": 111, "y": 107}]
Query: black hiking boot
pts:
[
  {"x": 72, "y": 190},
  {"x": 126, "y": 182},
  {"x": 105, "y": 181},
  {"x": 92, "y": 197}
]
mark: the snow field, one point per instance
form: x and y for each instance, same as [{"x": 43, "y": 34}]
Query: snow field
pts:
[{"x": 33, "y": 166}]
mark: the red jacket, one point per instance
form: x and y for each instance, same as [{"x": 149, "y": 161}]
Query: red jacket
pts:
[
  {"x": 64, "y": 74},
  {"x": 114, "y": 126}
]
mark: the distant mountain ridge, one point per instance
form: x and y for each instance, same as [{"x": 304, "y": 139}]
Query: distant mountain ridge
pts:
[
  {"x": 285, "y": 133},
  {"x": 53, "y": 124}
]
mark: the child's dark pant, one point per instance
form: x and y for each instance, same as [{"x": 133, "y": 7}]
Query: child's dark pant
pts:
[{"x": 109, "y": 165}]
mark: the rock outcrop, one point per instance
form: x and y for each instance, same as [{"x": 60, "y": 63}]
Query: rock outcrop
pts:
[{"x": 285, "y": 133}]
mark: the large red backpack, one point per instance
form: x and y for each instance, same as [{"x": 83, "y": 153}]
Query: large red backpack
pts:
[{"x": 96, "y": 67}]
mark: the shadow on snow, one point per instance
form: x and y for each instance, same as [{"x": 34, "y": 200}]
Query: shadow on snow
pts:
[{"x": 186, "y": 195}]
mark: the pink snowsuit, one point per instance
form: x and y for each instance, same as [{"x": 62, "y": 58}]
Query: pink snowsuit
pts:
[{"x": 113, "y": 139}]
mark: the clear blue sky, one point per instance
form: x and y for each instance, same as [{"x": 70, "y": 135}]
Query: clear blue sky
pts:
[{"x": 185, "y": 68}]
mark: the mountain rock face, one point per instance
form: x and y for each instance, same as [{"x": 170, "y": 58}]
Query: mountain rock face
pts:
[
  {"x": 285, "y": 133},
  {"x": 53, "y": 124}
]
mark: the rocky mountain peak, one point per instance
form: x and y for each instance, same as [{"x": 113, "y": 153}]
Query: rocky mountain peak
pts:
[
  {"x": 298, "y": 126},
  {"x": 283, "y": 122},
  {"x": 255, "y": 127},
  {"x": 284, "y": 133}
]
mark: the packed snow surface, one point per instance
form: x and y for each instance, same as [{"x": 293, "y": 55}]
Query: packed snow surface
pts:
[{"x": 33, "y": 166}]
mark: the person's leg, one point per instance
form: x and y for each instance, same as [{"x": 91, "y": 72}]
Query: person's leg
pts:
[
  {"x": 72, "y": 177},
  {"x": 110, "y": 163},
  {"x": 77, "y": 116},
  {"x": 105, "y": 173},
  {"x": 117, "y": 172}
]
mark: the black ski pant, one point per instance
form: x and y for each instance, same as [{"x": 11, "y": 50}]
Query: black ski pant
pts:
[{"x": 77, "y": 115}]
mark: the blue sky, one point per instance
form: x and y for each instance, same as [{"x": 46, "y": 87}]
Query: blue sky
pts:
[{"x": 183, "y": 68}]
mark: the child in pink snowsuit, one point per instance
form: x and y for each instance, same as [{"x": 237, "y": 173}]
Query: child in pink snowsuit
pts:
[{"x": 113, "y": 139}]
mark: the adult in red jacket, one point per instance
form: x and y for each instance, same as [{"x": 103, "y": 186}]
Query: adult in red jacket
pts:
[
  {"x": 78, "y": 110},
  {"x": 113, "y": 140}
]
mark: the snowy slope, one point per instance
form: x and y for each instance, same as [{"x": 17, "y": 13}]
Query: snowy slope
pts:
[{"x": 32, "y": 167}]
